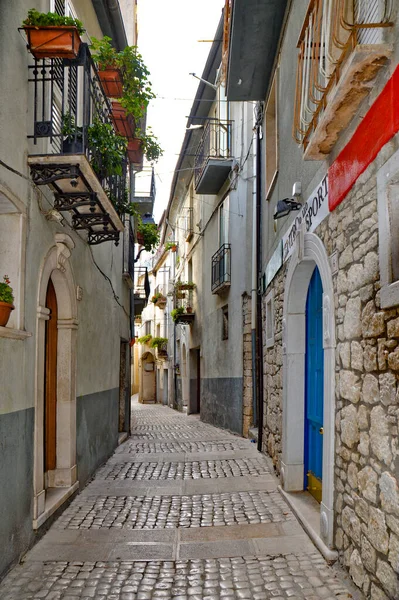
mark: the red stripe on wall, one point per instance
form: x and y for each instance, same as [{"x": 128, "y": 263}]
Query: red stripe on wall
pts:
[{"x": 378, "y": 126}]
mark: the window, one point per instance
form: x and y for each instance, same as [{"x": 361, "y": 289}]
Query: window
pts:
[
  {"x": 271, "y": 137},
  {"x": 147, "y": 327},
  {"x": 225, "y": 323},
  {"x": 224, "y": 222},
  {"x": 270, "y": 319},
  {"x": 388, "y": 224}
]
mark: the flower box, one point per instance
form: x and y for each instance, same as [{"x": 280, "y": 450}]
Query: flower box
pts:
[
  {"x": 124, "y": 124},
  {"x": 111, "y": 81},
  {"x": 53, "y": 42},
  {"x": 135, "y": 153},
  {"x": 5, "y": 312}
]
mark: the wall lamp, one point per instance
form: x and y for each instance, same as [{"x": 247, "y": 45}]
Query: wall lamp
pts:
[{"x": 284, "y": 207}]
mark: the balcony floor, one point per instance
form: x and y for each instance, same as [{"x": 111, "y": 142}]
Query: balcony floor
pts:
[{"x": 214, "y": 175}]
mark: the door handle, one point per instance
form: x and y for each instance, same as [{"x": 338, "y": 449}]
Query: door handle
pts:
[{"x": 321, "y": 430}]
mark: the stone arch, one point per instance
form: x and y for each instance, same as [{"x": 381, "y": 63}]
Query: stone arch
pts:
[
  {"x": 148, "y": 377},
  {"x": 309, "y": 252},
  {"x": 56, "y": 266}
]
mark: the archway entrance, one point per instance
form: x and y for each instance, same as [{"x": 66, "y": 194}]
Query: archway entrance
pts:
[
  {"x": 50, "y": 384},
  {"x": 314, "y": 383},
  {"x": 55, "y": 470},
  {"x": 309, "y": 380}
]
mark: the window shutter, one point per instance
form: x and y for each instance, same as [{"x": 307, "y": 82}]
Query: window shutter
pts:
[
  {"x": 59, "y": 7},
  {"x": 368, "y": 11}
]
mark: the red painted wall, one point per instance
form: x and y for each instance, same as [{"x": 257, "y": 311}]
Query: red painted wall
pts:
[{"x": 378, "y": 126}]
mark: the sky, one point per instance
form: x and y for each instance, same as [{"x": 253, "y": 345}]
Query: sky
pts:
[{"x": 168, "y": 41}]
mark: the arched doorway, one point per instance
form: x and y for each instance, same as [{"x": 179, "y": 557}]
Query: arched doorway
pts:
[
  {"x": 55, "y": 470},
  {"x": 306, "y": 371},
  {"x": 148, "y": 387},
  {"x": 50, "y": 385},
  {"x": 184, "y": 376}
]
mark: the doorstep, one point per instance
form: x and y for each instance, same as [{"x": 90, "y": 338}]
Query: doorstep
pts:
[
  {"x": 55, "y": 497},
  {"x": 307, "y": 511}
]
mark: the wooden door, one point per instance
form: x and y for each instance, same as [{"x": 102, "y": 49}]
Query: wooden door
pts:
[{"x": 50, "y": 382}]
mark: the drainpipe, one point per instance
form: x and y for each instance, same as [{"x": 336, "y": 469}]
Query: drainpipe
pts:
[
  {"x": 254, "y": 286},
  {"x": 174, "y": 325},
  {"x": 259, "y": 278}
]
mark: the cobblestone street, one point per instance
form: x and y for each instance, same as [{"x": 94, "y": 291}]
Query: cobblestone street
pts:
[{"x": 181, "y": 511}]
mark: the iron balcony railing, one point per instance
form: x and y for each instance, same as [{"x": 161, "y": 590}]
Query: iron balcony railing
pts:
[
  {"x": 331, "y": 31},
  {"x": 139, "y": 288},
  {"x": 215, "y": 143},
  {"x": 70, "y": 113},
  {"x": 221, "y": 269}
]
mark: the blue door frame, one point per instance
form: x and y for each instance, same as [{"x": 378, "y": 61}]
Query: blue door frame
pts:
[{"x": 314, "y": 387}]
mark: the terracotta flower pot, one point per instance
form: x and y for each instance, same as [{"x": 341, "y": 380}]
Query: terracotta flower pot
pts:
[
  {"x": 161, "y": 304},
  {"x": 135, "y": 153},
  {"x": 5, "y": 311},
  {"x": 124, "y": 124},
  {"x": 189, "y": 310},
  {"x": 140, "y": 238},
  {"x": 53, "y": 42},
  {"x": 111, "y": 81}
]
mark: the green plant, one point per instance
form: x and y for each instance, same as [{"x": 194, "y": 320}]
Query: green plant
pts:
[
  {"x": 122, "y": 205},
  {"x": 149, "y": 145},
  {"x": 104, "y": 54},
  {"x": 137, "y": 92},
  {"x": 176, "y": 312},
  {"x": 38, "y": 19},
  {"x": 185, "y": 285},
  {"x": 150, "y": 234},
  {"x": 69, "y": 129},
  {"x": 6, "y": 294},
  {"x": 171, "y": 246},
  {"x": 109, "y": 149},
  {"x": 158, "y": 342},
  {"x": 145, "y": 338},
  {"x": 157, "y": 297}
]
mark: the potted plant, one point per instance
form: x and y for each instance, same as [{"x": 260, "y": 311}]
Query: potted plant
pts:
[
  {"x": 106, "y": 59},
  {"x": 185, "y": 285},
  {"x": 6, "y": 301},
  {"x": 52, "y": 36},
  {"x": 123, "y": 122},
  {"x": 147, "y": 235},
  {"x": 108, "y": 150},
  {"x": 161, "y": 344},
  {"x": 137, "y": 92},
  {"x": 176, "y": 312},
  {"x": 189, "y": 310},
  {"x": 144, "y": 339},
  {"x": 171, "y": 246},
  {"x": 72, "y": 142},
  {"x": 159, "y": 300}
]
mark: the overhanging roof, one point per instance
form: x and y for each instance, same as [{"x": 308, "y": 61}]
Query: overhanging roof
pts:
[{"x": 255, "y": 29}]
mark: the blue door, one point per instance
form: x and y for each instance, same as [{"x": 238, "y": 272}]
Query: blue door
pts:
[{"x": 314, "y": 384}]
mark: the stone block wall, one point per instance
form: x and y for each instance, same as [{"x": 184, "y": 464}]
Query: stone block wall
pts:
[
  {"x": 273, "y": 375},
  {"x": 247, "y": 407},
  {"x": 367, "y": 393}
]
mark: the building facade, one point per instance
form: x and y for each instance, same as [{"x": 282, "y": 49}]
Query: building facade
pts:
[
  {"x": 65, "y": 361},
  {"x": 328, "y": 89}
]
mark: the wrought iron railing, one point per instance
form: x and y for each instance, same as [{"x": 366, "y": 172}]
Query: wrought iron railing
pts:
[
  {"x": 139, "y": 288},
  {"x": 215, "y": 143},
  {"x": 68, "y": 103},
  {"x": 331, "y": 31},
  {"x": 221, "y": 268}
]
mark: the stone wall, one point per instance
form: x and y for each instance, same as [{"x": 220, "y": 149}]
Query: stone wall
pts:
[
  {"x": 247, "y": 407},
  {"x": 367, "y": 395},
  {"x": 273, "y": 375}
]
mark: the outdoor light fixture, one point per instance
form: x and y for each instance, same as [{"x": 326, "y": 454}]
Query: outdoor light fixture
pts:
[
  {"x": 147, "y": 219},
  {"x": 285, "y": 206}
]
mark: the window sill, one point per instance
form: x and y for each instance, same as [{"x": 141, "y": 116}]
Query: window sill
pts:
[{"x": 14, "y": 334}]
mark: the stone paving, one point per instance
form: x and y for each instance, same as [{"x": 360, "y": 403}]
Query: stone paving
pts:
[{"x": 160, "y": 521}]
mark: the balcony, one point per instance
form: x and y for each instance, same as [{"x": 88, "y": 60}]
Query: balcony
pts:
[
  {"x": 189, "y": 224},
  {"x": 140, "y": 290},
  {"x": 143, "y": 190},
  {"x": 342, "y": 46},
  {"x": 184, "y": 301},
  {"x": 213, "y": 159},
  {"x": 221, "y": 269},
  {"x": 70, "y": 110}
]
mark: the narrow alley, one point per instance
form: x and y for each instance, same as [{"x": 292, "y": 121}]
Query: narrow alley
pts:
[{"x": 182, "y": 510}]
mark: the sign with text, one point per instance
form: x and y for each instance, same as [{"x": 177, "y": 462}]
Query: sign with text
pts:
[{"x": 312, "y": 213}]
